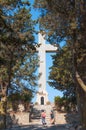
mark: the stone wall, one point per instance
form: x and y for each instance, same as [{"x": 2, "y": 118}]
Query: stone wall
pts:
[{"x": 18, "y": 119}]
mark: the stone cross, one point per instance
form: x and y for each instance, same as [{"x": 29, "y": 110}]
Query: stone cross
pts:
[{"x": 42, "y": 95}]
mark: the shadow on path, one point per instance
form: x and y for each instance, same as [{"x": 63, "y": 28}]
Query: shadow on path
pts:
[{"x": 40, "y": 127}]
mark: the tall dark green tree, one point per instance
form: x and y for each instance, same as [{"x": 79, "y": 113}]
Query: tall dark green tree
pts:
[
  {"x": 18, "y": 61},
  {"x": 61, "y": 75}
]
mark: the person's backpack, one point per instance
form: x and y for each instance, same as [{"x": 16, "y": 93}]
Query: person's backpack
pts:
[{"x": 52, "y": 115}]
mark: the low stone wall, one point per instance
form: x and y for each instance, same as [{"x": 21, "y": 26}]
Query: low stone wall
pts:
[{"x": 18, "y": 119}]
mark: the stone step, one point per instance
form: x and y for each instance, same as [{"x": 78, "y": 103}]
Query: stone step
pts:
[
  {"x": 59, "y": 117},
  {"x": 37, "y": 111}
]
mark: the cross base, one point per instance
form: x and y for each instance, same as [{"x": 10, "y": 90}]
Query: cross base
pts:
[{"x": 42, "y": 98}]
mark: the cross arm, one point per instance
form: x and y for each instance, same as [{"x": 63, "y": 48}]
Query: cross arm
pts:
[{"x": 50, "y": 48}]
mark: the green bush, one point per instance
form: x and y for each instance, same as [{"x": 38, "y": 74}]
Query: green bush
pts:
[
  {"x": 48, "y": 103},
  {"x": 36, "y": 103},
  {"x": 64, "y": 102},
  {"x": 59, "y": 102}
]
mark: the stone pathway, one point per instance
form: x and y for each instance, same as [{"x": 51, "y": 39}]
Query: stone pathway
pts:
[
  {"x": 35, "y": 124},
  {"x": 39, "y": 127},
  {"x": 37, "y": 112},
  {"x": 59, "y": 117}
]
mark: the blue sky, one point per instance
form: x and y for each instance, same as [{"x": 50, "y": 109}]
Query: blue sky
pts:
[{"x": 51, "y": 91}]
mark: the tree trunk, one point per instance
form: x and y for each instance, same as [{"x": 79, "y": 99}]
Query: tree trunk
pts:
[
  {"x": 80, "y": 82},
  {"x": 81, "y": 87},
  {"x": 5, "y": 114},
  {"x": 81, "y": 96}
]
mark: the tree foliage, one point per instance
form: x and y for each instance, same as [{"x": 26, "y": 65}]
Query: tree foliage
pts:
[
  {"x": 61, "y": 74},
  {"x": 18, "y": 62},
  {"x": 16, "y": 41},
  {"x": 64, "y": 103}
]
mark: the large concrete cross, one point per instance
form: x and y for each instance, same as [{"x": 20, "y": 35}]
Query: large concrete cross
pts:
[{"x": 42, "y": 95}]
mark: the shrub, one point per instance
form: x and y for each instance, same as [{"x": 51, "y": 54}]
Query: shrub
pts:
[
  {"x": 59, "y": 102},
  {"x": 48, "y": 103},
  {"x": 36, "y": 103}
]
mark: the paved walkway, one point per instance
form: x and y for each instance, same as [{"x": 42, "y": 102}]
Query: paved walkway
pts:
[
  {"x": 59, "y": 117},
  {"x": 36, "y": 124},
  {"x": 40, "y": 127}
]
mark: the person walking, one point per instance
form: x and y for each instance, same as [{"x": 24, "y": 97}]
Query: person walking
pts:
[
  {"x": 52, "y": 120},
  {"x": 43, "y": 116}
]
